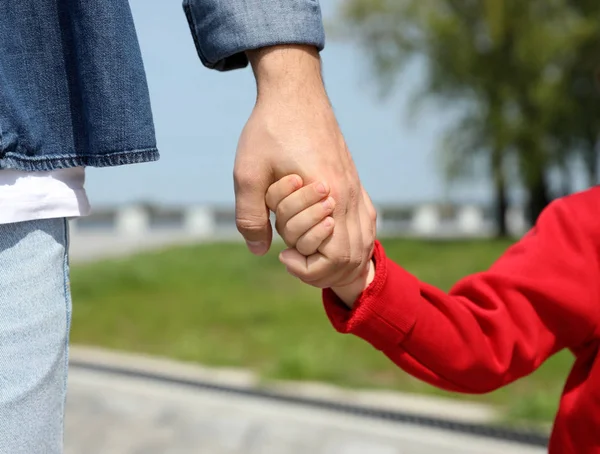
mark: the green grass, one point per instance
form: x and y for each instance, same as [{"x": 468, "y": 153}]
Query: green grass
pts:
[{"x": 218, "y": 305}]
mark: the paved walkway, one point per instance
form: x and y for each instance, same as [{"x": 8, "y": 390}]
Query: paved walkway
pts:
[{"x": 112, "y": 414}]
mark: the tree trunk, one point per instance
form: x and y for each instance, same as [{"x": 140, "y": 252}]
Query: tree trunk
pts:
[
  {"x": 591, "y": 160},
  {"x": 593, "y": 172},
  {"x": 539, "y": 196},
  {"x": 566, "y": 183},
  {"x": 501, "y": 207},
  {"x": 500, "y": 195}
]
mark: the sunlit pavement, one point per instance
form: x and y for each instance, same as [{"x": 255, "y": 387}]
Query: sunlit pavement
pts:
[{"x": 115, "y": 414}]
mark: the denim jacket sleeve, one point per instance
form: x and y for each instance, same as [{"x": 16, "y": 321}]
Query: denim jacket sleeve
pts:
[{"x": 224, "y": 29}]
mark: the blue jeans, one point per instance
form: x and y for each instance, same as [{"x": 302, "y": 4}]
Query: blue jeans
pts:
[{"x": 35, "y": 315}]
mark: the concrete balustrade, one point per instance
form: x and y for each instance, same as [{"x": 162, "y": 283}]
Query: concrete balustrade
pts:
[
  {"x": 132, "y": 220},
  {"x": 470, "y": 220},
  {"x": 425, "y": 220},
  {"x": 200, "y": 221}
]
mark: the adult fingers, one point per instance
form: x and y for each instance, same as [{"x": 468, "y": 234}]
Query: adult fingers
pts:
[{"x": 251, "y": 212}]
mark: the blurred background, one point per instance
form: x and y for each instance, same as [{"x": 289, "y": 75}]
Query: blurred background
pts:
[{"x": 465, "y": 119}]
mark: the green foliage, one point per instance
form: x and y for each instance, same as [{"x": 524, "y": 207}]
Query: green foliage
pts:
[{"x": 525, "y": 70}]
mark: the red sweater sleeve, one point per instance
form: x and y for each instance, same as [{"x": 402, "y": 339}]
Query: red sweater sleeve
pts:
[{"x": 493, "y": 327}]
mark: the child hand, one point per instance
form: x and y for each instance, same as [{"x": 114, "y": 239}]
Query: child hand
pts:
[
  {"x": 303, "y": 220},
  {"x": 302, "y": 213}
]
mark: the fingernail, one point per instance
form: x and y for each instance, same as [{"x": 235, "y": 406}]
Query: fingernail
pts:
[
  {"x": 257, "y": 247},
  {"x": 283, "y": 255},
  {"x": 321, "y": 188},
  {"x": 329, "y": 203},
  {"x": 296, "y": 183},
  {"x": 328, "y": 222}
]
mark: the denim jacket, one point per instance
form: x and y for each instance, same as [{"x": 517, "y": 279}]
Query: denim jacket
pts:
[{"x": 73, "y": 90}]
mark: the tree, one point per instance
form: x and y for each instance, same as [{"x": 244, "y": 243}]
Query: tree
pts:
[
  {"x": 582, "y": 115},
  {"x": 507, "y": 61}
]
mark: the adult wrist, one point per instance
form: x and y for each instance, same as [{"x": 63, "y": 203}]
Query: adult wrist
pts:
[{"x": 287, "y": 70}]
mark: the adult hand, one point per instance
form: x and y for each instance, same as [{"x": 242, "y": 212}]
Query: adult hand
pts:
[{"x": 293, "y": 130}]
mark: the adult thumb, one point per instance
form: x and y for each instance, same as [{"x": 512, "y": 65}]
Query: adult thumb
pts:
[{"x": 252, "y": 216}]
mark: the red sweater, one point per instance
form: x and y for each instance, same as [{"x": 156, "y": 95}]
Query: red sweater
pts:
[{"x": 541, "y": 296}]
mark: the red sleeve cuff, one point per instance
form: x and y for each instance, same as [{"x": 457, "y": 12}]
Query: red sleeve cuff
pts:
[{"x": 385, "y": 312}]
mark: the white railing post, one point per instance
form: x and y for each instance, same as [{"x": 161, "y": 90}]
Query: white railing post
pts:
[{"x": 132, "y": 220}]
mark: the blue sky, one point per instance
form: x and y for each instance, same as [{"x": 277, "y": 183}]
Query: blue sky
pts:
[{"x": 199, "y": 114}]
